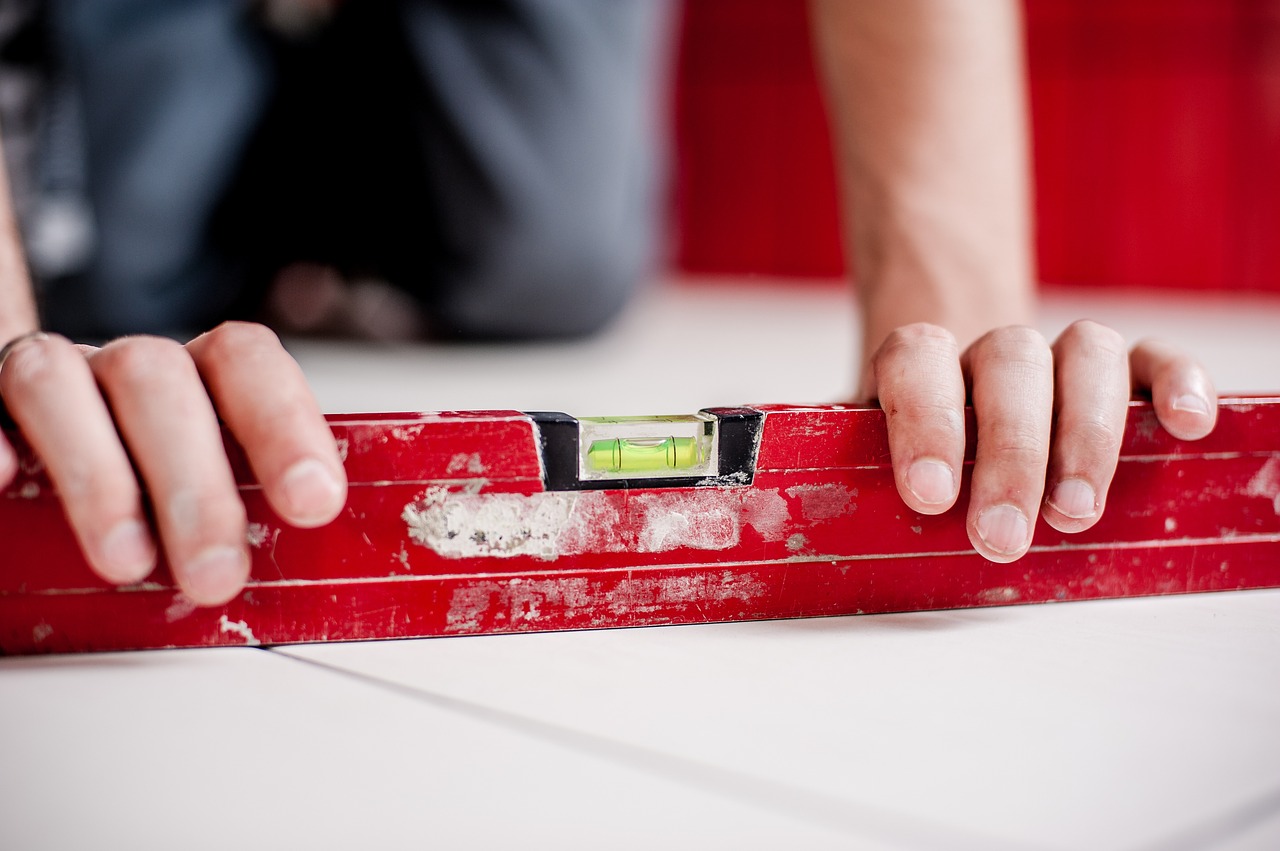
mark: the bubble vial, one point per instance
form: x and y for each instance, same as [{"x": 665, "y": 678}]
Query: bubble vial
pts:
[{"x": 647, "y": 447}]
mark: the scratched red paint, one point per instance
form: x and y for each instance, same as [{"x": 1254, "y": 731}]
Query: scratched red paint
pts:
[{"x": 820, "y": 531}]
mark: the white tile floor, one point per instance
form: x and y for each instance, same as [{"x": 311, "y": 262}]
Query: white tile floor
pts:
[{"x": 1136, "y": 724}]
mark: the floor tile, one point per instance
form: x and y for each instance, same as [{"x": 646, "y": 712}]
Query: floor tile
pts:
[
  {"x": 1101, "y": 725},
  {"x": 231, "y": 748}
]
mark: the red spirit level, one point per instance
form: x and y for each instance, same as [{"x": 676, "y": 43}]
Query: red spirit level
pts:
[{"x": 466, "y": 523}]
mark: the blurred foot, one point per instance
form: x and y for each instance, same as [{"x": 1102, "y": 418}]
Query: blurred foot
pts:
[
  {"x": 296, "y": 19},
  {"x": 313, "y": 299}
]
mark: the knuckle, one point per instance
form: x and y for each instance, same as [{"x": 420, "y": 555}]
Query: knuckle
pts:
[
  {"x": 1016, "y": 348},
  {"x": 235, "y": 339},
  {"x": 28, "y": 364},
  {"x": 936, "y": 410},
  {"x": 911, "y": 352},
  {"x": 914, "y": 338},
  {"x": 96, "y": 490},
  {"x": 35, "y": 363},
  {"x": 1019, "y": 337},
  {"x": 1097, "y": 437},
  {"x": 1090, "y": 335},
  {"x": 1013, "y": 456},
  {"x": 1017, "y": 443},
  {"x": 926, "y": 331},
  {"x": 917, "y": 335},
  {"x": 206, "y": 512},
  {"x": 140, "y": 359}
]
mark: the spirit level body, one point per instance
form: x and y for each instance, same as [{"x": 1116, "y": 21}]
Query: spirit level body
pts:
[{"x": 483, "y": 522}]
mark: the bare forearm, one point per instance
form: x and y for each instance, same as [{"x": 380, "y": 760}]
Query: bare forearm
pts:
[
  {"x": 17, "y": 305},
  {"x": 927, "y": 100}
]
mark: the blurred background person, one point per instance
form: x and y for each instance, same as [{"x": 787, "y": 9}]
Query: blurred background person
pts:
[{"x": 383, "y": 169}]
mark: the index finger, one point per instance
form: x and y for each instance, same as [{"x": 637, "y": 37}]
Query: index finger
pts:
[{"x": 921, "y": 389}]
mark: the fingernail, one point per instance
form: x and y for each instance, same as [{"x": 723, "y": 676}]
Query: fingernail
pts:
[
  {"x": 1192, "y": 404},
  {"x": 932, "y": 482},
  {"x": 1003, "y": 528},
  {"x": 1075, "y": 498},
  {"x": 216, "y": 575},
  {"x": 311, "y": 493},
  {"x": 128, "y": 554}
]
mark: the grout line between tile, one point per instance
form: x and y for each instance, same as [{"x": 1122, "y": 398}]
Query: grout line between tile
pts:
[{"x": 848, "y": 817}]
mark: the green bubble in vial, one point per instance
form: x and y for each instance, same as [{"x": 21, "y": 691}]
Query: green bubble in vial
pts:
[{"x": 643, "y": 455}]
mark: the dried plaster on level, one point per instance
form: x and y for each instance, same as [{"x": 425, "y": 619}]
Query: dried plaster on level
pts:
[
  {"x": 259, "y": 533},
  {"x": 240, "y": 628},
  {"x": 466, "y": 462},
  {"x": 523, "y": 602},
  {"x": 1266, "y": 483},
  {"x": 462, "y": 525},
  {"x": 406, "y": 433},
  {"x": 550, "y": 525},
  {"x": 819, "y": 503},
  {"x": 1000, "y": 596}
]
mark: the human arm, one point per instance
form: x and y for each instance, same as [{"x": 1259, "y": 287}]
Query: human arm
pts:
[
  {"x": 17, "y": 305},
  {"x": 93, "y": 415},
  {"x": 928, "y": 106}
]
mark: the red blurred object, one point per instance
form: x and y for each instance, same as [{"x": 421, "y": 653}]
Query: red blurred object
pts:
[
  {"x": 755, "y": 188},
  {"x": 1156, "y": 130},
  {"x": 458, "y": 524}
]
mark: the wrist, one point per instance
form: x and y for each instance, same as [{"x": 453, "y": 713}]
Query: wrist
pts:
[
  {"x": 18, "y": 314},
  {"x": 968, "y": 309}
]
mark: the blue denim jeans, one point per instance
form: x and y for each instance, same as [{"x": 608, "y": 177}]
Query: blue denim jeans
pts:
[{"x": 497, "y": 160}]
